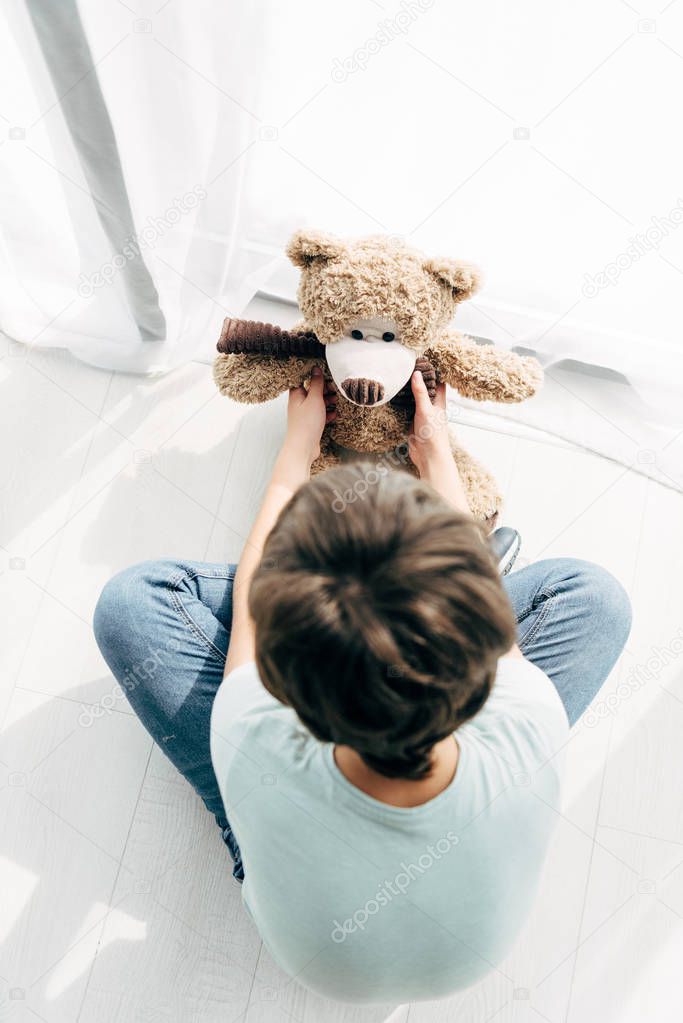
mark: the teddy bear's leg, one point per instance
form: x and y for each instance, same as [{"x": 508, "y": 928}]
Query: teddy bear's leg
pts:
[
  {"x": 328, "y": 456},
  {"x": 481, "y": 489}
]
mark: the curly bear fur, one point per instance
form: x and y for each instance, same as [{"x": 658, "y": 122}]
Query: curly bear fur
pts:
[{"x": 343, "y": 281}]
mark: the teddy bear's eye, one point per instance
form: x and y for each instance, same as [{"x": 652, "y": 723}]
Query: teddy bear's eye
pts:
[
  {"x": 357, "y": 335},
  {"x": 388, "y": 336}
]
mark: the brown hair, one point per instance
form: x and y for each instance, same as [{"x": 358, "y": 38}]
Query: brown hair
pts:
[{"x": 379, "y": 614}]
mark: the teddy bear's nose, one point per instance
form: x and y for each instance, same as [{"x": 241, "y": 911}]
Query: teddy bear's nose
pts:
[{"x": 363, "y": 391}]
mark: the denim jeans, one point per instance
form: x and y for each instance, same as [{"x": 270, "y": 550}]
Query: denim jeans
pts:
[{"x": 163, "y": 628}]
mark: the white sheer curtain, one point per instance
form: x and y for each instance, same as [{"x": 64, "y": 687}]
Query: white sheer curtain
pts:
[
  {"x": 539, "y": 140},
  {"x": 124, "y": 230}
]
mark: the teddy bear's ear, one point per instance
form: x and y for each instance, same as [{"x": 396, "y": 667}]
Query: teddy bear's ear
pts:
[
  {"x": 463, "y": 279},
  {"x": 305, "y": 246}
]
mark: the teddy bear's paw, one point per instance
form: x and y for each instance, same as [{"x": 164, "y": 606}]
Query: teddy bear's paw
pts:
[
  {"x": 512, "y": 377},
  {"x": 533, "y": 376},
  {"x": 221, "y": 372},
  {"x": 240, "y": 377}
]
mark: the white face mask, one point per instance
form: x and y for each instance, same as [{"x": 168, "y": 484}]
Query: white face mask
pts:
[{"x": 370, "y": 350}]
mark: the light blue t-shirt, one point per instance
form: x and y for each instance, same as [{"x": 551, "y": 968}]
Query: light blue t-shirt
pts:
[{"x": 362, "y": 901}]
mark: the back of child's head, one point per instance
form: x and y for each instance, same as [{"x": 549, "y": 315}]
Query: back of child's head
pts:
[{"x": 379, "y": 614}]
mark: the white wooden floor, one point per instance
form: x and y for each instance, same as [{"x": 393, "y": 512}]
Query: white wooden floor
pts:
[{"x": 117, "y": 904}]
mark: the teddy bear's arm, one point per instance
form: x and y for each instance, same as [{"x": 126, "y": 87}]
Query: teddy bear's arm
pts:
[
  {"x": 484, "y": 372},
  {"x": 256, "y": 378}
]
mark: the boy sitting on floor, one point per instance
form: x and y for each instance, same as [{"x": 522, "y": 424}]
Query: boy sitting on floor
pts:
[{"x": 374, "y": 717}]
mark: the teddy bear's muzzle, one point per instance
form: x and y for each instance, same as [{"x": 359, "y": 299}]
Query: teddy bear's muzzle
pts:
[
  {"x": 369, "y": 370},
  {"x": 363, "y": 391}
]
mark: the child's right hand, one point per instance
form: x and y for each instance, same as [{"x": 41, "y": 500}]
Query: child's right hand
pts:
[{"x": 308, "y": 412}]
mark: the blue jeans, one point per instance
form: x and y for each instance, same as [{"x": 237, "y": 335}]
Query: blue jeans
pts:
[{"x": 163, "y": 628}]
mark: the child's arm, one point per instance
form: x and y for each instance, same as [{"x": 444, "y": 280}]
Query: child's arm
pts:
[
  {"x": 307, "y": 414},
  {"x": 430, "y": 446},
  {"x": 430, "y": 450}
]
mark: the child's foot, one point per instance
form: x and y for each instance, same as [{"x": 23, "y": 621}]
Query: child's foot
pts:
[{"x": 505, "y": 544}]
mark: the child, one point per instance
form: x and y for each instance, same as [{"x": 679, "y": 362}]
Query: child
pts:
[{"x": 381, "y": 748}]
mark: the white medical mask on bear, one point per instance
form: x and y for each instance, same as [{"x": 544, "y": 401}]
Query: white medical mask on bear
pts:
[{"x": 369, "y": 364}]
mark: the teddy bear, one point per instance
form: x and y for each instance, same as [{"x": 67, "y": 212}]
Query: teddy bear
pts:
[{"x": 375, "y": 310}]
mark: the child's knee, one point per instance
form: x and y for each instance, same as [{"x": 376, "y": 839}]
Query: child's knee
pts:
[
  {"x": 606, "y": 599},
  {"x": 592, "y": 590},
  {"x": 111, "y": 608},
  {"x": 123, "y": 601}
]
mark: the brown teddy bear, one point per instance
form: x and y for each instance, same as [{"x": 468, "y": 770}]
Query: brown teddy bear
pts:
[{"x": 374, "y": 311}]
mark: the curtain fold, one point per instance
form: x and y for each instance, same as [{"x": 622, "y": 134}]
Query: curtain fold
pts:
[{"x": 64, "y": 47}]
